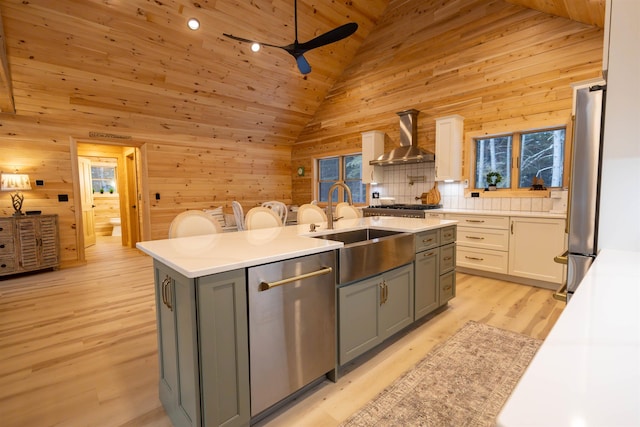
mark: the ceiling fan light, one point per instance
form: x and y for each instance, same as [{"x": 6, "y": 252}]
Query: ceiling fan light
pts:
[
  {"x": 193, "y": 23},
  {"x": 255, "y": 47}
]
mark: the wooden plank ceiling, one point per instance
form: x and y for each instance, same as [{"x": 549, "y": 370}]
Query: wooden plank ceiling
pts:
[{"x": 134, "y": 66}]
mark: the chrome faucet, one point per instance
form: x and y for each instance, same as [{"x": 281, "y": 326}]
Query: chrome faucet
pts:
[{"x": 330, "y": 203}]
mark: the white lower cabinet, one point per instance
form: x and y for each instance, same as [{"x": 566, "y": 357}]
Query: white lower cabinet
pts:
[
  {"x": 534, "y": 242},
  {"x": 517, "y": 247},
  {"x": 372, "y": 310}
]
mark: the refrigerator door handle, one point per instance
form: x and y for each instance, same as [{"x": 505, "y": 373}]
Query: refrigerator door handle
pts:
[
  {"x": 562, "y": 259},
  {"x": 561, "y": 293}
]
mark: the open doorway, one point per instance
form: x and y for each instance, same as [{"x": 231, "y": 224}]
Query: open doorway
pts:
[{"x": 109, "y": 192}]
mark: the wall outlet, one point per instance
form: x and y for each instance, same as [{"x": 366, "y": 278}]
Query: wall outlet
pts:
[{"x": 475, "y": 194}]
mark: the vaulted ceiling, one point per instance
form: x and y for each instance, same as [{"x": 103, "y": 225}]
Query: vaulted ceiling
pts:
[{"x": 135, "y": 68}]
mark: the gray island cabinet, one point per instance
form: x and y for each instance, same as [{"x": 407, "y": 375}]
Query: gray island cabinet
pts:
[
  {"x": 203, "y": 347},
  {"x": 202, "y": 308}
]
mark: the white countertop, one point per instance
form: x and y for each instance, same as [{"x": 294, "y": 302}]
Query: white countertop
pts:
[
  {"x": 526, "y": 214},
  {"x": 587, "y": 372},
  {"x": 215, "y": 253}
]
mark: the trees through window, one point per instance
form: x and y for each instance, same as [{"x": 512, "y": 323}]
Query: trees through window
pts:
[
  {"x": 341, "y": 168},
  {"x": 522, "y": 159}
]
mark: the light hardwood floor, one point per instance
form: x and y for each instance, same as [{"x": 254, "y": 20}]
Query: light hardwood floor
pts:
[{"x": 78, "y": 346}]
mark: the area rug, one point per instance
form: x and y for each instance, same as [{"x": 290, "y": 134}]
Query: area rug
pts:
[{"x": 464, "y": 381}]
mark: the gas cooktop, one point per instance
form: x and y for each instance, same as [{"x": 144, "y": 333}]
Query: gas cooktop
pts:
[{"x": 407, "y": 206}]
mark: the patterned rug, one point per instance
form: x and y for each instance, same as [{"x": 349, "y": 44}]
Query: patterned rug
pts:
[{"x": 464, "y": 381}]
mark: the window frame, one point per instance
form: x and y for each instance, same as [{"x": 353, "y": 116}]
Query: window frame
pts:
[
  {"x": 340, "y": 194},
  {"x": 513, "y": 190},
  {"x": 110, "y": 165}
]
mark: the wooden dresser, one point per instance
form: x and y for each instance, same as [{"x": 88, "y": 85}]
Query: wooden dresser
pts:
[{"x": 28, "y": 243}]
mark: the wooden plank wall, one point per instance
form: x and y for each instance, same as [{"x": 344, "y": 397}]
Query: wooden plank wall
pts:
[
  {"x": 501, "y": 66},
  {"x": 218, "y": 127}
]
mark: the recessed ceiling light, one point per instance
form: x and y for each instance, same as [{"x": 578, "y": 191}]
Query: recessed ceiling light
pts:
[
  {"x": 193, "y": 23},
  {"x": 255, "y": 47}
]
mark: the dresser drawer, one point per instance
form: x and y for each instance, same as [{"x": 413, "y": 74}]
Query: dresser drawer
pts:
[
  {"x": 482, "y": 259},
  {"x": 447, "y": 257},
  {"x": 482, "y": 221},
  {"x": 6, "y": 247},
  {"x": 7, "y": 265},
  {"x": 427, "y": 239},
  {"x": 489, "y": 238},
  {"x": 6, "y": 231}
]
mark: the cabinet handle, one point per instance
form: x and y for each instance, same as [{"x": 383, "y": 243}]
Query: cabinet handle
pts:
[
  {"x": 475, "y": 220},
  {"x": 381, "y": 285},
  {"x": 447, "y": 258},
  {"x": 427, "y": 240},
  {"x": 386, "y": 291},
  {"x": 474, "y": 258},
  {"x": 428, "y": 254},
  {"x": 474, "y": 237},
  {"x": 447, "y": 288},
  {"x": 166, "y": 292},
  {"x": 265, "y": 286},
  {"x": 511, "y": 227}
]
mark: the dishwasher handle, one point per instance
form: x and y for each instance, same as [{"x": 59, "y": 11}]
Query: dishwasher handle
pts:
[{"x": 265, "y": 286}]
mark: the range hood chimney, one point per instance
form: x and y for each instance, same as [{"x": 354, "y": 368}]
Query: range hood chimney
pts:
[{"x": 408, "y": 151}]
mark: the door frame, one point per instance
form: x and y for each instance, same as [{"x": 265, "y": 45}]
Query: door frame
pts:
[{"x": 144, "y": 209}]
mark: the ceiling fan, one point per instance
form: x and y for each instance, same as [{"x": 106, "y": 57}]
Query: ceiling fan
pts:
[{"x": 297, "y": 49}]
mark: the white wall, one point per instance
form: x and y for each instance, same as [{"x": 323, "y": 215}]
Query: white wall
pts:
[{"x": 620, "y": 192}]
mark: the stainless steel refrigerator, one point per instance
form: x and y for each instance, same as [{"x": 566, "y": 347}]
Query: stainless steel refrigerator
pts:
[{"x": 584, "y": 187}]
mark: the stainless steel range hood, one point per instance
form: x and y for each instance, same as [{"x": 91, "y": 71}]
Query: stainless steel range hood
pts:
[{"x": 408, "y": 151}]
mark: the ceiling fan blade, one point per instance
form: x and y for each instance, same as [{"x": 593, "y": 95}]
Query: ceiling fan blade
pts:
[
  {"x": 240, "y": 39},
  {"x": 303, "y": 64},
  {"x": 329, "y": 37}
]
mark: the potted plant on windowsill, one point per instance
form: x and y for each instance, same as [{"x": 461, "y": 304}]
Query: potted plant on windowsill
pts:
[{"x": 493, "y": 179}]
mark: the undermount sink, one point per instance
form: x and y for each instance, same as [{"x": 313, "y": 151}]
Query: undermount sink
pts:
[{"x": 368, "y": 251}]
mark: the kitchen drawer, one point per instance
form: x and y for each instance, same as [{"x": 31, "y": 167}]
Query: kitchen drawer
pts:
[
  {"x": 5, "y": 229},
  {"x": 6, "y": 247},
  {"x": 427, "y": 239},
  {"x": 447, "y": 235},
  {"x": 447, "y": 257},
  {"x": 482, "y": 221},
  {"x": 434, "y": 215},
  {"x": 447, "y": 287},
  {"x": 482, "y": 259},
  {"x": 484, "y": 238},
  {"x": 7, "y": 265}
]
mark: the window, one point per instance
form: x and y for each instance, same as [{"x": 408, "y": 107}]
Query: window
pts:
[
  {"x": 342, "y": 168},
  {"x": 103, "y": 177},
  {"x": 521, "y": 158}
]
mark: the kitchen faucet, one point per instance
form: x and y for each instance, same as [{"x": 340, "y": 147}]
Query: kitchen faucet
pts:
[{"x": 330, "y": 203}]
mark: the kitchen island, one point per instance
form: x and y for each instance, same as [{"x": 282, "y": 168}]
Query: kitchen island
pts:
[
  {"x": 204, "y": 291},
  {"x": 587, "y": 371}
]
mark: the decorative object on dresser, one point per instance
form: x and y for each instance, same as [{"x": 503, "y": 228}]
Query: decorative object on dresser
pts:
[
  {"x": 28, "y": 243},
  {"x": 464, "y": 381},
  {"x": 16, "y": 182}
]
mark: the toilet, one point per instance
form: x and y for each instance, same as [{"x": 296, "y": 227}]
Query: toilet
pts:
[{"x": 117, "y": 229}]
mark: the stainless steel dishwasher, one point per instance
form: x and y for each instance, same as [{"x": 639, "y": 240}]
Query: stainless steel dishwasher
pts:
[{"x": 292, "y": 326}]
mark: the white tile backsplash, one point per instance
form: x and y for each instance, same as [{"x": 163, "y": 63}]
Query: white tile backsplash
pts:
[{"x": 397, "y": 183}]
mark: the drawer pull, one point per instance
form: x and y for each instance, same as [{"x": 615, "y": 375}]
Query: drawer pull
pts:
[
  {"x": 447, "y": 288},
  {"x": 427, "y": 240},
  {"x": 475, "y": 220},
  {"x": 474, "y": 258},
  {"x": 474, "y": 237},
  {"x": 428, "y": 254},
  {"x": 447, "y": 258}
]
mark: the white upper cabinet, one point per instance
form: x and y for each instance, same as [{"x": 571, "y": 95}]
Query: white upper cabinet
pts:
[
  {"x": 372, "y": 148},
  {"x": 449, "y": 148}
]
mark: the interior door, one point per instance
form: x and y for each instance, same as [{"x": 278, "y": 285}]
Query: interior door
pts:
[
  {"x": 133, "y": 219},
  {"x": 86, "y": 194}
]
